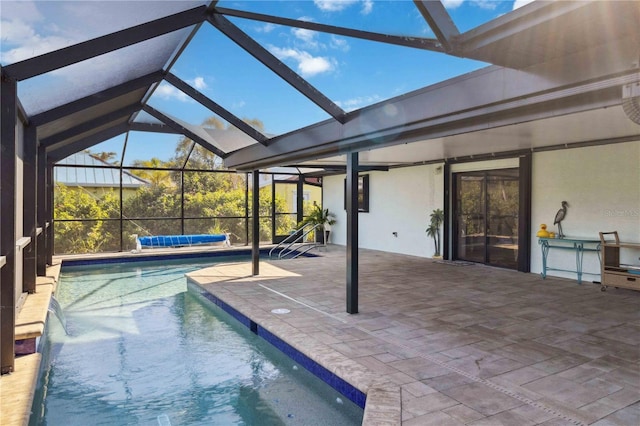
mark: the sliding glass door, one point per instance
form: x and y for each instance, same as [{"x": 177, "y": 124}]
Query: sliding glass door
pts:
[{"x": 486, "y": 217}]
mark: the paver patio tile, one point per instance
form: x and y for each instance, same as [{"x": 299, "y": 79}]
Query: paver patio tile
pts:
[
  {"x": 433, "y": 419},
  {"x": 561, "y": 363},
  {"x": 448, "y": 381},
  {"x": 463, "y": 414},
  {"x": 626, "y": 416},
  {"x": 482, "y": 398},
  {"x": 430, "y": 403},
  {"x": 521, "y": 375},
  {"x": 418, "y": 389},
  {"x": 435, "y": 329},
  {"x": 573, "y": 394}
]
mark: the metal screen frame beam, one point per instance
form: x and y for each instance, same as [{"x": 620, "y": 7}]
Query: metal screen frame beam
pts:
[
  {"x": 274, "y": 64},
  {"x": 152, "y": 128},
  {"x": 108, "y": 43},
  {"x": 8, "y": 116},
  {"x": 352, "y": 232},
  {"x": 255, "y": 223},
  {"x": 440, "y": 22},
  {"x": 41, "y": 203},
  {"x": 216, "y": 108},
  {"x": 50, "y": 211},
  {"x": 406, "y": 41},
  {"x": 29, "y": 208},
  {"x": 183, "y": 130}
]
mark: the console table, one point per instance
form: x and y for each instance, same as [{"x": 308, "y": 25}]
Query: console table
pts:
[{"x": 568, "y": 243}]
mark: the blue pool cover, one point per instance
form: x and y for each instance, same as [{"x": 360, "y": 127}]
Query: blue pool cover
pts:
[{"x": 180, "y": 240}]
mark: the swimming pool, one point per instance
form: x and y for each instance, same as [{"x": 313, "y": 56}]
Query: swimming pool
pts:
[{"x": 141, "y": 349}]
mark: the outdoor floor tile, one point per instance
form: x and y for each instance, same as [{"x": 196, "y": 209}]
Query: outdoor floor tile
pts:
[
  {"x": 482, "y": 398},
  {"x": 573, "y": 394},
  {"x": 433, "y": 419},
  {"x": 427, "y": 404},
  {"x": 463, "y": 414},
  {"x": 462, "y": 344}
]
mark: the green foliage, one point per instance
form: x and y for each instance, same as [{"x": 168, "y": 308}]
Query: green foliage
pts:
[
  {"x": 214, "y": 203},
  {"x": 86, "y": 236},
  {"x": 436, "y": 220},
  {"x": 318, "y": 216}
]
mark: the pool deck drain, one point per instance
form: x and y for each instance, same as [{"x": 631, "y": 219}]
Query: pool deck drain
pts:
[{"x": 443, "y": 345}]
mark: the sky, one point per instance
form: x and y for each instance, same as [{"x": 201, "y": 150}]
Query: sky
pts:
[{"x": 350, "y": 72}]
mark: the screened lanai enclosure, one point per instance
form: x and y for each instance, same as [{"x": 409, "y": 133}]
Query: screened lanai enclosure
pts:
[
  {"x": 101, "y": 205},
  {"x": 210, "y": 117}
]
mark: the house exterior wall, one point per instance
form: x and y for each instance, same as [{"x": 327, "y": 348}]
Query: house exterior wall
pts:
[
  {"x": 600, "y": 183},
  {"x": 400, "y": 200}
]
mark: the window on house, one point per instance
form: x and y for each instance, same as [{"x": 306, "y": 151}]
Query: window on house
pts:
[{"x": 363, "y": 193}]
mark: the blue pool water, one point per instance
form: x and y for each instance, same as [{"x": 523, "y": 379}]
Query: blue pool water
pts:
[{"x": 142, "y": 350}]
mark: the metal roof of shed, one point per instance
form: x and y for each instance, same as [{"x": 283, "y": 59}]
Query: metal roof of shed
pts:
[{"x": 94, "y": 174}]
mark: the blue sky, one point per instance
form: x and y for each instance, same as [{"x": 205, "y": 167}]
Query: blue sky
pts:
[{"x": 352, "y": 73}]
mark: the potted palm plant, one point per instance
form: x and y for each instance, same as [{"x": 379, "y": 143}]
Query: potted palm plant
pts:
[
  {"x": 437, "y": 218},
  {"x": 321, "y": 217}
]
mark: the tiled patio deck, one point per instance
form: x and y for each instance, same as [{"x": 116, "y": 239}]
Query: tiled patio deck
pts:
[{"x": 442, "y": 344}]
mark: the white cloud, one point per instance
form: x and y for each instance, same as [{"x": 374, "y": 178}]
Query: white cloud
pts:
[
  {"x": 27, "y": 41},
  {"x": 266, "y": 28},
  {"x": 486, "y": 4},
  {"x": 359, "y": 102},
  {"x": 452, "y": 4},
  {"x": 308, "y": 65},
  {"x": 333, "y": 5},
  {"x": 339, "y": 5},
  {"x": 519, "y": 3},
  {"x": 338, "y": 43},
  {"x": 308, "y": 36},
  {"x": 238, "y": 105},
  {"x": 167, "y": 91},
  {"x": 367, "y": 6},
  {"x": 20, "y": 10},
  {"x": 199, "y": 83}
]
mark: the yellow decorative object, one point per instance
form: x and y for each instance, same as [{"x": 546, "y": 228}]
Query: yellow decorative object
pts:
[
  {"x": 543, "y": 233},
  {"x": 552, "y": 234}
]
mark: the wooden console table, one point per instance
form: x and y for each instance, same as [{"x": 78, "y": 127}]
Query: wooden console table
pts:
[{"x": 567, "y": 243}]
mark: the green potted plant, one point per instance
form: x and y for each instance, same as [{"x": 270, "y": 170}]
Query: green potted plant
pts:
[
  {"x": 322, "y": 217},
  {"x": 437, "y": 218}
]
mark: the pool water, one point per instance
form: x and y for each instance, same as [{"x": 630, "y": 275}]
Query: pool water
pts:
[{"x": 142, "y": 350}]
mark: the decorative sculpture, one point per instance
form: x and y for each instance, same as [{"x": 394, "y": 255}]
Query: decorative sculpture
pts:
[{"x": 562, "y": 213}]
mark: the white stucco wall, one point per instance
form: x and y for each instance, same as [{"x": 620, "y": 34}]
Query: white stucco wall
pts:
[
  {"x": 400, "y": 200},
  {"x": 601, "y": 185}
]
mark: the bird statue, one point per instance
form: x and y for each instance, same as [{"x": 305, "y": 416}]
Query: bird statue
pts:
[{"x": 560, "y": 217}]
